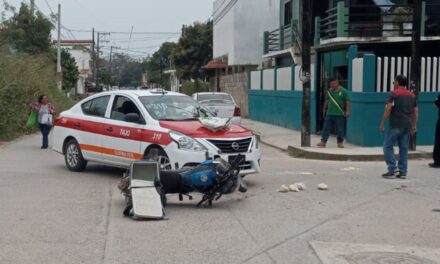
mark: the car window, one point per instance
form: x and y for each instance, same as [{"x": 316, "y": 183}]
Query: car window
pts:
[
  {"x": 123, "y": 106},
  {"x": 96, "y": 106},
  {"x": 215, "y": 99},
  {"x": 173, "y": 107}
]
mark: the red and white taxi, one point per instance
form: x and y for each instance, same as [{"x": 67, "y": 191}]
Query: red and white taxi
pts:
[{"x": 118, "y": 127}]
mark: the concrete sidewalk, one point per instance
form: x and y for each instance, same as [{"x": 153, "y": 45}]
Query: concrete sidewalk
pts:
[{"x": 290, "y": 141}]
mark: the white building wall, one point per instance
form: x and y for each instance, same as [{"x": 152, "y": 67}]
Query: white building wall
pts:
[
  {"x": 239, "y": 26},
  {"x": 82, "y": 58},
  {"x": 284, "y": 79},
  {"x": 269, "y": 79},
  {"x": 223, "y": 31},
  {"x": 358, "y": 75}
]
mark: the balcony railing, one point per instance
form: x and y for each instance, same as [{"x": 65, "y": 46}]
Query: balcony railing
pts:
[
  {"x": 329, "y": 24},
  {"x": 281, "y": 38},
  {"x": 374, "y": 21}
]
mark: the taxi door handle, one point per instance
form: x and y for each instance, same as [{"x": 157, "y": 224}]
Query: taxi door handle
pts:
[
  {"x": 77, "y": 124},
  {"x": 109, "y": 129}
]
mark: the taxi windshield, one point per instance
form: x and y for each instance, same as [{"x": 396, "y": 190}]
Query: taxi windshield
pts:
[{"x": 173, "y": 107}]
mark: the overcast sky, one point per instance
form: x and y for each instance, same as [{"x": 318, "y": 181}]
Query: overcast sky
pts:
[{"x": 161, "y": 19}]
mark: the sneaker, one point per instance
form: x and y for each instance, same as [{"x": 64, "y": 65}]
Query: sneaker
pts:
[
  {"x": 340, "y": 145},
  {"x": 401, "y": 175},
  {"x": 321, "y": 144},
  {"x": 389, "y": 175},
  {"x": 434, "y": 165}
]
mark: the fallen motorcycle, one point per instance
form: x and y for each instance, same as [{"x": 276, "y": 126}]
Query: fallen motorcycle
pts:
[{"x": 211, "y": 178}]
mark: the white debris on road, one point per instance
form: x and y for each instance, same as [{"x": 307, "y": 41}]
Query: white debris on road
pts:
[
  {"x": 296, "y": 187},
  {"x": 350, "y": 169},
  {"x": 322, "y": 186},
  {"x": 301, "y": 186},
  {"x": 283, "y": 189},
  {"x": 304, "y": 173},
  {"x": 293, "y": 188}
]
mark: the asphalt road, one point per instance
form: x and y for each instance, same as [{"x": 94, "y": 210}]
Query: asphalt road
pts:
[{"x": 51, "y": 215}]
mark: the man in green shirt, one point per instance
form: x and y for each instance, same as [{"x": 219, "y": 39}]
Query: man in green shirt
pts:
[{"x": 336, "y": 109}]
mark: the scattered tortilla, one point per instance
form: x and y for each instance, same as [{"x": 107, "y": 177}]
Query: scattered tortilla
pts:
[
  {"x": 293, "y": 188},
  {"x": 322, "y": 186},
  {"x": 301, "y": 186},
  {"x": 283, "y": 189}
]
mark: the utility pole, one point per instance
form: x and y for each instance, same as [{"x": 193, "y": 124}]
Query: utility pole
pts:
[
  {"x": 32, "y": 6},
  {"x": 110, "y": 60},
  {"x": 97, "y": 62},
  {"x": 97, "y": 55},
  {"x": 129, "y": 40},
  {"x": 111, "y": 57},
  {"x": 306, "y": 33},
  {"x": 94, "y": 55},
  {"x": 416, "y": 57},
  {"x": 59, "y": 70}
]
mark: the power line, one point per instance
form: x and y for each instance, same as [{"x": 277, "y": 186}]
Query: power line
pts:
[
  {"x": 142, "y": 48},
  {"x": 68, "y": 32},
  {"x": 50, "y": 8},
  {"x": 142, "y": 40},
  {"x": 53, "y": 17},
  {"x": 128, "y": 32}
]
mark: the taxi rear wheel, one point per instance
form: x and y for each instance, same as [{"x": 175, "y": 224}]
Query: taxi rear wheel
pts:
[{"x": 73, "y": 156}]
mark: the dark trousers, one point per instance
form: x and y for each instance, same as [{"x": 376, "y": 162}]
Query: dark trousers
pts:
[
  {"x": 333, "y": 121},
  {"x": 45, "y": 130},
  {"x": 436, "y": 153}
]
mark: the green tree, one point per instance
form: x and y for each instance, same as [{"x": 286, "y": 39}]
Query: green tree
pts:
[
  {"x": 105, "y": 77},
  {"x": 26, "y": 32},
  {"x": 159, "y": 62},
  {"x": 193, "y": 50},
  {"x": 128, "y": 72},
  {"x": 68, "y": 67}
]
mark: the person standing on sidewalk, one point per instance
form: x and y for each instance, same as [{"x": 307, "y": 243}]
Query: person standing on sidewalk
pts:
[
  {"x": 402, "y": 109},
  {"x": 336, "y": 110},
  {"x": 45, "y": 112},
  {"x": 436, "y": 152}
]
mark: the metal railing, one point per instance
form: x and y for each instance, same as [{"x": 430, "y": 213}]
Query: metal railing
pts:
[
  {"x": 281, "y": 38},
  {"x": 329, "y": 24},
  {"x": 377, "y": 21},
  {"x": 271, "y": 40}
]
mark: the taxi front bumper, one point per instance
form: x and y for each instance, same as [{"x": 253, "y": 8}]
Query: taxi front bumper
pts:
[{"x": 180, "y": 157}]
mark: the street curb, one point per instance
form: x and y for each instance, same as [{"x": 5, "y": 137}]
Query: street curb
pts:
[
  {"x": 268, "y": 144},
  {"x": 301, "y": 153}
]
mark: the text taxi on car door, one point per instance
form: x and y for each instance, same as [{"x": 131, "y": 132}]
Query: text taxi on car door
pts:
[{"x": 118, "y": 127}]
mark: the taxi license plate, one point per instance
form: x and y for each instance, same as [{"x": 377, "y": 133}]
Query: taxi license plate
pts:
[{"x": 233, "y": 157}]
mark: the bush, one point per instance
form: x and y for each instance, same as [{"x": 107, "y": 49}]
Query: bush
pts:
[
  {"x": 197, "y": 86},
  {"x": 23, "y": 78}
]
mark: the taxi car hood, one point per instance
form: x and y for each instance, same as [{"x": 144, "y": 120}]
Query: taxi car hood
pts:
[{"x": 196, "y": 130}]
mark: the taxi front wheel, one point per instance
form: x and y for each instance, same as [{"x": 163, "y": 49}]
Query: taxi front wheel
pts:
[
  {"x": 160, "y": 156},
  {"x": 73, "y": 157}
]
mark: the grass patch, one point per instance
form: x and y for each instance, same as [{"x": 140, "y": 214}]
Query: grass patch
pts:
[{"x": 23, "y": 78}]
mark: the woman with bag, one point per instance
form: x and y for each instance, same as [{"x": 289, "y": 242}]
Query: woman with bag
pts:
[{"x": 45, "y": 112}]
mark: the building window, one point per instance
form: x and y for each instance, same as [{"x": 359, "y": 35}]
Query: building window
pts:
[{"x": 287, "y": 13}]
